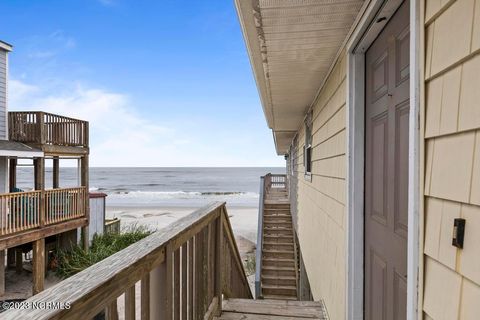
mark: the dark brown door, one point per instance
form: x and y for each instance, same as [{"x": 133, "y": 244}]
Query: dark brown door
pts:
[{"x": 386, "y": 170}]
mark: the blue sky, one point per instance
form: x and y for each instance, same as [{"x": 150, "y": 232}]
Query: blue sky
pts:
[{"x": 163, "y": 83}]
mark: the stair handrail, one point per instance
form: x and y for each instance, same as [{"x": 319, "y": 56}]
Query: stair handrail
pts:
[{"x": 258, "y": 253}]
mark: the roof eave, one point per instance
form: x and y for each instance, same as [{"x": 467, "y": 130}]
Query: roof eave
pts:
[
  {"x": 244, "y": 10},
  {"x": 5, "y": 46}
]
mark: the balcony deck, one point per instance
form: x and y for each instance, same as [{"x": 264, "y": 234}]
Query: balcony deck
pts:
[
  {"x": 53, "y": 134},
  {"x": 29, "y": 216}
]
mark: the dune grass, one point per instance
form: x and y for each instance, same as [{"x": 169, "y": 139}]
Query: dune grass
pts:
[
  {"x": 76, "y": 259},
  {"x": 250, "y": 264}
]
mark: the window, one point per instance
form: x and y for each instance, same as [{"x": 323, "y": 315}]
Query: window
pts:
[
  {"x": 308, "y": 160},
  {"x": 307, "y": 151}
]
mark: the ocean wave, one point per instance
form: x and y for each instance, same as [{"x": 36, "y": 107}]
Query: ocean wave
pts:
[{"x": 183, "y": 194}]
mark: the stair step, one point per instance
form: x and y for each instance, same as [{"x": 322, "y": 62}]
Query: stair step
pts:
[
  {"x": 279, "y": 297},
  {"x": 277, "y": 271},
  {"x": 277, "y": 216},
  {"x": 278, "y": 238},
  {"x": 284, "y": 224},
  {"x": 266, "y": 228},
  {"x": 278, "y": 254},
  {"x": 278, "y": 262},
  {"x": 277, "y": 246},
  {"x": 269, "y": 221},
  {"x": 276, "y": 231},
  {"x": 279, "y": 280},
  {"x": 276, "y": 205},
  {"x": 279, "y": 290}
]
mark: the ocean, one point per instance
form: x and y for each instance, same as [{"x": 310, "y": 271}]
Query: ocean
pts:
[{"x": 165, "y": 187}]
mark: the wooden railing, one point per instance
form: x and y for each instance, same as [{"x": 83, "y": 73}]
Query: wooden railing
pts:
[
  {"x": 64, "y": 204},
  {"x": 275, "y": 181},
  {"x": 21, "y": 211},
  {"x": 184, "y": 271},
  {"x": 46, "y": 128},
  {"x": 258, "y": 252}
]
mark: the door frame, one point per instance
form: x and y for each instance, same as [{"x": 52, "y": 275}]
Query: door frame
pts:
[{"x": 366, "y": 31}]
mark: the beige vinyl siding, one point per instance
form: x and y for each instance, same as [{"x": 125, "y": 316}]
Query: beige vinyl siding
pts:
[
  {"x": 321, "y": 203},
  {"x": 3, "y": 93},
  {"x": 452, "y": 164}
]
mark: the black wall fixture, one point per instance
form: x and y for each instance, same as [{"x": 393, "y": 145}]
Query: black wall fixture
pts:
[{"x": 458, "y": 232}]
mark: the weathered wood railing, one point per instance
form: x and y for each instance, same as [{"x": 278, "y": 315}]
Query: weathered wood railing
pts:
[
  {"x": 275, "y": 180},
  {"x": 22, "y": 211},
  {"x": 19, "y": 211},
  {"x": 258, "y": 252},
  {"x": 184, "y": 271},
  {"x": 46, "y": 128},
  {"x": 64, "y": 204}
]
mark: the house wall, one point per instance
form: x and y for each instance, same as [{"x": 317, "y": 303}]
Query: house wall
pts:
[
  {"x": 319, "y": 204},
  {"x": 452, "y": 158},
  {"x": 3, "y": 94}
]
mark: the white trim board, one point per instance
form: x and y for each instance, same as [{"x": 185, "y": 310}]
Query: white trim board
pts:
[
  {"x": 363, "y": 36},
  {"x": 21, "y": 154}
]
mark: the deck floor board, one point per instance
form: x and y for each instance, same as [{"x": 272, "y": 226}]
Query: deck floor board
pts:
[{"x": 245, "y": 309}]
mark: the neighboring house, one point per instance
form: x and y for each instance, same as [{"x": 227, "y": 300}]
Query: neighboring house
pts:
[
  {"x": 43, "y": 218},
  {"x": 376, "y": 105}
]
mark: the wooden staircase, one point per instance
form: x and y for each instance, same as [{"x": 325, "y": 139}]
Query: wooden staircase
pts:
[{"x": 278, "y": 276}]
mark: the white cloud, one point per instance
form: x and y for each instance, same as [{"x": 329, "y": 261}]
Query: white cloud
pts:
[
  {"x": 18, "y": 90},
  {"x": 119, "y": 136}
]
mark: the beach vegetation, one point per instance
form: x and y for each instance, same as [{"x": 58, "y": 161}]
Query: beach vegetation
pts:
[
  {"x": 249, "y": 264},
  {"x": 76, "y": 259}
]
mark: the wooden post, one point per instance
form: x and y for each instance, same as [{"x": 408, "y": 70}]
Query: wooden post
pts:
[
  {"x": 168, "y": 282},
  {"x": 41, "y": 127},
  {"x": 183, "y": 276},
  {"x": 2, "y": 272},
  {"x": 158, "y": 292},
  {"x": 218, "y": 262},
  {"x": 13, "y": 174},
  {"x": 130, "y": 303},
  {"x": 39, "y": 173},
  {"x": 18, "y": 260},
  {"x": 145, "y": 298},
  {"x": 38, "y": 268},
  {"x": 10, "y": 257},
  {"x": 86, "y": 141},
  {"x": 85, "y": 183},
  {"x": 176, "y": 284},
  {"x": 111, "y": 312},
  {"x": 56, "y": 173}
]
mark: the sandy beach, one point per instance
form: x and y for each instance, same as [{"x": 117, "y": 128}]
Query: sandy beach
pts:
[{"x": 243, "y": 219}]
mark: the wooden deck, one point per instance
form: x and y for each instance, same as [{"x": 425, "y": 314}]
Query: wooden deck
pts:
[
  {"x": 278, "y": 266},
  {"x": 245, "y": 309}
]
